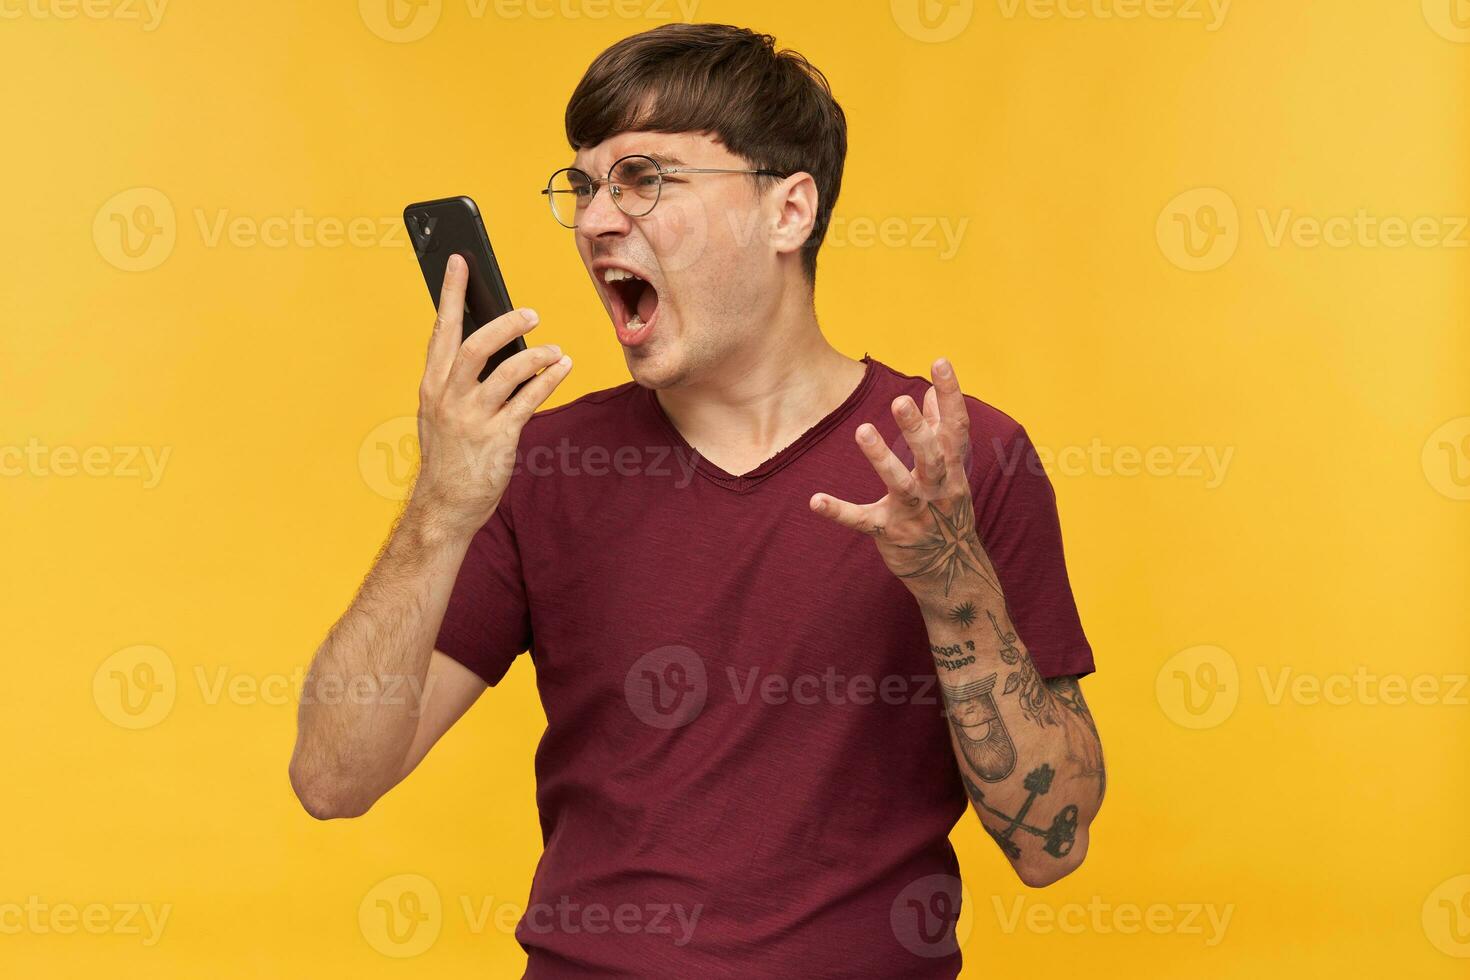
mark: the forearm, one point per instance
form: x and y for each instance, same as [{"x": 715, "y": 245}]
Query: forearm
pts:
[
  {"x": 1027, "y": 748},
  {"x": 363, "y": 694}
]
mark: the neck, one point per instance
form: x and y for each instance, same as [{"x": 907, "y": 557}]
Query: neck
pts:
[{"x": 761, "y": 398}]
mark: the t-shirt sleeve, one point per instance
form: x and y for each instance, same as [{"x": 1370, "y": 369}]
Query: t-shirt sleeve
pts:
[
  {"x": 1016, "y": 516},
  {"x": 488, "y": 623}
]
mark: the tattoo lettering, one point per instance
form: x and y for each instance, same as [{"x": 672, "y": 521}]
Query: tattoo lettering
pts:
[
  {"x": 953, "y": 657},
  {"x": 977, "y": 724},
  {"x": 1057, "y": 839}
]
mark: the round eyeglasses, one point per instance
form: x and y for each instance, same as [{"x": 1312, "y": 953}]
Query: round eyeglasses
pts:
[{"x": 634, "y": 182}]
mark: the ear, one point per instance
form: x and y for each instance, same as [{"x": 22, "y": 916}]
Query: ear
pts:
[{"x": 796, "y": 200}]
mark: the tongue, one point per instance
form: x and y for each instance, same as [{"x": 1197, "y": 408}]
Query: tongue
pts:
[{"x": 647, "y": 303}]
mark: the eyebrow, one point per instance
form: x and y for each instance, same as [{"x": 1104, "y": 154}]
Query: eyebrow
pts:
[{"x": 662, "y": 159}]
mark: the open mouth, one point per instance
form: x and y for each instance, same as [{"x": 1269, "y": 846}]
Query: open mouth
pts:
[{"x": 634, "y": 304}]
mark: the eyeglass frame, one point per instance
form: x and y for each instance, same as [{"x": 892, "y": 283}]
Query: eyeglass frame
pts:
[{"x": 659, "y": 168}]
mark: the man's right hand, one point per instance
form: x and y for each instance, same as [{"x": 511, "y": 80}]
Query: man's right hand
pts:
[{"x": 468, "y": 431}]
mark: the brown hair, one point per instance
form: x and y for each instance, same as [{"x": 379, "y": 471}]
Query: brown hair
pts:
[{"x": 773, "y": 108}]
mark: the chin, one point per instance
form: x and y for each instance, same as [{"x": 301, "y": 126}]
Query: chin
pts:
[{"x": 653, "y": 370}]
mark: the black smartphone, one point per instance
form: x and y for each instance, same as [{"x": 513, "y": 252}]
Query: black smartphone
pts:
[{"x": 452, "y": 226}]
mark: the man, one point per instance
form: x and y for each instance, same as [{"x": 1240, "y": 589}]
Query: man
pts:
[{"x": 767, "y": 700}]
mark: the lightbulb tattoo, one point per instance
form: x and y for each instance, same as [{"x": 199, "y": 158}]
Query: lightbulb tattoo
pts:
[{"x": 975, "y": 719}]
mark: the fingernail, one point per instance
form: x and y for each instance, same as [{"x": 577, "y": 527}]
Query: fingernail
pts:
[
  {"x": 532, "y": 317},
  {"x": 455, "y": 262},
  {"x": 554, "y": 349},
  {"x": 942, "y": 368},
  {"x": 565, "y": 361},
  {"x": 867, "y": 433}
]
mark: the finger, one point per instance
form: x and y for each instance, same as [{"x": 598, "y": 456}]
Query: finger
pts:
[
  {"x": 448, "y": 320},
  {"x": 900, "y": 481},
  {"x": 497, "y": 388},
  {"x": 954, "y": 413},
  {"x": 931, "y": 407},
  {"x": 478, "y": 346},
  {"x": 922, "y": 440},
  {"x": 847, "y": 514},
  {"x": 523, "y": 404}
]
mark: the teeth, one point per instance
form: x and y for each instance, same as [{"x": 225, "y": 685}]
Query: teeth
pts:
[
  {"x": 616, "y": 275},
  {"x": 635, "y": 322}
]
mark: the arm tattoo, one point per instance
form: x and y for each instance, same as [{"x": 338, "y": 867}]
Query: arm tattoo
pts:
[
  {"x": 963, "y": 614},
  {"x": 976, "y": 721},
  {"x": 1057, "y": 838},
  {"x": 952, "y": 548},
  {"x": 1024, "y": 680},
  {"x": 1084, "y": 751}
]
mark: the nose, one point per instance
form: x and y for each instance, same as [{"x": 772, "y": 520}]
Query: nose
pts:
[{"x": 602, "y": 217}]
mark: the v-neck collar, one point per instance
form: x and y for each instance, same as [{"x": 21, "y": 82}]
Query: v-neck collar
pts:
[{"x": 784, "y": 456}]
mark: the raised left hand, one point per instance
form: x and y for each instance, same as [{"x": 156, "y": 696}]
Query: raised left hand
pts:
[{"x": 924, "y": 526}]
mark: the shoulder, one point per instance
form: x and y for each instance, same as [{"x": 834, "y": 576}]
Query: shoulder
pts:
[{"x": 585, "y": 417}]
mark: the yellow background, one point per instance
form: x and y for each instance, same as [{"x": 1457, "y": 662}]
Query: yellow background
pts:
[{"x": 1335, "y": 540}]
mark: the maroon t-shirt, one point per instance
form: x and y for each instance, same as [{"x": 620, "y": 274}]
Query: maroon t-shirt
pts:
[{"x": 746, "y": 770}]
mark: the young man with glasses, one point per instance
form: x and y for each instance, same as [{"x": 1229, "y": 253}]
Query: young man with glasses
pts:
[{"x": 769, "y": 695}]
